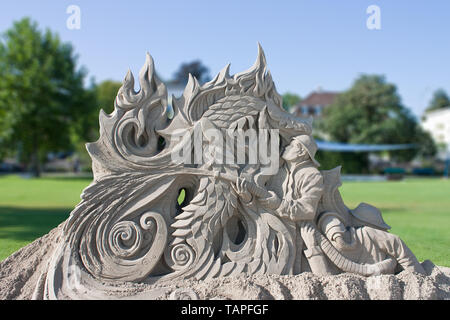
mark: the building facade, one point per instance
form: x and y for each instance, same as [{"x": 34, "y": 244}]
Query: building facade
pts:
[
  {"x": 314, "y": 104},
  {"x": 437, "y": 123}
]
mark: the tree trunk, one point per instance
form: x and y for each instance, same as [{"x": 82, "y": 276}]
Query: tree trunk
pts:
[
  {"x": 36, "y": 166},
  {"x": 36, "y": 163}
]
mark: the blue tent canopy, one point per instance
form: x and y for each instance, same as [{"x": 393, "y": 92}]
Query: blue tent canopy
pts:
[{"x": 347, "y": 147}]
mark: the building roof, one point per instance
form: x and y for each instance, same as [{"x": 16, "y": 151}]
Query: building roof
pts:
[
  {"x": 437, "y": 112},
  {"x": 322, "y": 98}
]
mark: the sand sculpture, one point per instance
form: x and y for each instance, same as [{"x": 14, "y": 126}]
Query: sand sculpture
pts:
[{"x": 255, "y": 201}]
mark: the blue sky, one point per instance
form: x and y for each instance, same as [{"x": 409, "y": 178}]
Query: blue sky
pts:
[{"x": 307, "y": 43}]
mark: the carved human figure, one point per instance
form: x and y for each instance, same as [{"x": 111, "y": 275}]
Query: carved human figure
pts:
[
  {"x": 302, "y": 188},
  {"x": 381, "y": 251}
]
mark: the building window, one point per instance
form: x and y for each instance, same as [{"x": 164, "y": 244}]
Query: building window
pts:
[
  {"x": 318, "y": 110},
  {"x": 304, "y": 110}
]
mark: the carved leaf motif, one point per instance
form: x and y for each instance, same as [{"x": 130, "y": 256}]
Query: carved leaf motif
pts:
[
  {"x": 228, "y": 112},
  {"x": 207, "y": 214}
]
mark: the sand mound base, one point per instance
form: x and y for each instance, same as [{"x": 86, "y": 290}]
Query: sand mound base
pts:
[
  {"x": 311, "y": 287},
  {"x": 19, "y": 275}
]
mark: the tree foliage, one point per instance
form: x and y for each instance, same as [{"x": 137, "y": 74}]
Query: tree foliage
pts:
[
  {"x": 289, "y": 100},
  {"x": 370, "y": 112},
  {"x": 87, "y": 129},
  {"x": 41, "y": 92},
  {"x": 440, "y": 100},
  {"x": 196, "y": 68},
  {"x": 100, "y": 97},
  {"x": 106, "y": 93}
]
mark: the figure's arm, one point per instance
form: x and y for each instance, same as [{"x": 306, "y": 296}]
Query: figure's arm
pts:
[
  {"x": 316, "y": 258},
  {"x": 305, "y": 207}
]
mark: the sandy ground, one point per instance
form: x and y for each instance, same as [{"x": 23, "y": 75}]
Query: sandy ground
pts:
[{"x": 19, "y": 274}]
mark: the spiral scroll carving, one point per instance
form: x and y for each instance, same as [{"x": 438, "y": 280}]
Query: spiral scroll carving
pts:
[
  {"x": 125, "y": 239},
  {"x": 128, "y": 251},
  {"x": 180, "y": 256},
  {"x": 134, "y": 139},
  {"x": 183, "y": 294}
]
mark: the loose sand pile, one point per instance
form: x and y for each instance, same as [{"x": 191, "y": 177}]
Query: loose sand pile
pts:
[{"x": 19, "y": 274}]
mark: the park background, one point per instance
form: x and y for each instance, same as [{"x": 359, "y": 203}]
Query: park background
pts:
[{"x": 62, "y": 61}]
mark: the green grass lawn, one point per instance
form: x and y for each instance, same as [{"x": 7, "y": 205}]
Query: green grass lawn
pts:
[
  {"x": 29, "y": 208},
  {"x": 417, "y": 209}
]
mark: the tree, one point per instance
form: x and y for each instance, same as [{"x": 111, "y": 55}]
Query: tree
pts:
[
  {"x": 98, "y": 96},
  {"x": 289, "y": 100},
  {"x": 86, "y": 129},
  {"x": 41, "y": 93},
  {"x": 440, "y": 100},
  {"x": 196, "y": 68},
  {"x": 370, "y": 112},
  {"x": 106, "y": 93}
]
